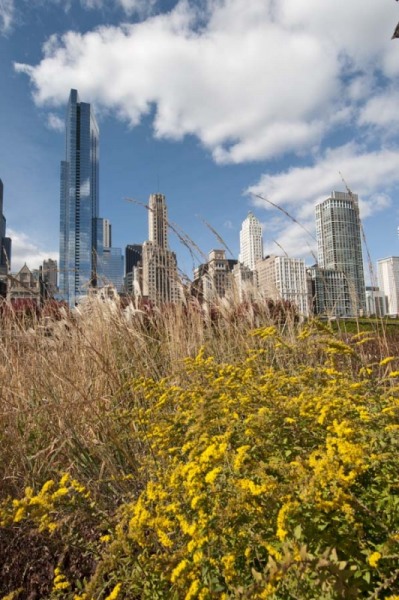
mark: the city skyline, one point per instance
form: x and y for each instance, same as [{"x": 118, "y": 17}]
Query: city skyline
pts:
[{"x": 227, "y": 125}]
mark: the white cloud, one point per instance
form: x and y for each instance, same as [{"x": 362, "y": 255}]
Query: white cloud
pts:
[
  {"x": 7, "y": 10},
  {"x": 371, "y": 175},
  {"x": 251, "y": 79},
  {"x": 382, "y": 110},
  {"x": 55, "y": 122},
  {"x": 25, "y": 250}
]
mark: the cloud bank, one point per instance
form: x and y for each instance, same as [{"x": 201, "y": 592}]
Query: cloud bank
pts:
[{"x": 251, "y": 79}]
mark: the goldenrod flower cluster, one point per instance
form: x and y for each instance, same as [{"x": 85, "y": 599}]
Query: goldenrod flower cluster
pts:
[{"x": 263, "y": 479}]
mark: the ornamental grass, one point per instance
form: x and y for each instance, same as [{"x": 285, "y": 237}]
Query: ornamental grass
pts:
[{"x": 184, "y": 454}]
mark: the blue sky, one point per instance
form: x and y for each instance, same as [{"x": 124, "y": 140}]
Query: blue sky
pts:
[{"x": 208, "y": 102}]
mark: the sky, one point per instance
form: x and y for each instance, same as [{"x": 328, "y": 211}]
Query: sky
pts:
[{"x": 224, "y": 106}]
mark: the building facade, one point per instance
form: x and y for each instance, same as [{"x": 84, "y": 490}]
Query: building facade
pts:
[
  {"x": 284, "y": 278},
  {"x": 159, "y": 265},
  {"x": 251, "y": 243},
  {"x": 79, "y": 201},
  {"x": 214, "y": 279},
  {"x": 339, "y": 244},
  {"x": 330, "y": 292},
  {"x": 48, "y": 278},
  {"x": 376, "y": 302},
  {"x": 5, "y": 242},
  {"x": 388, "y": 281}
]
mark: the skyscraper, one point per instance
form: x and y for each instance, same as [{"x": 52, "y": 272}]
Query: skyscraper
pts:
[
  {"x": 79, "y": 201},
  {"x": 251, "y": 245},
  {"x": 5, "y": 242},
  {"x": 160, "y": 280},
  {"x": 339, "y": 243}
]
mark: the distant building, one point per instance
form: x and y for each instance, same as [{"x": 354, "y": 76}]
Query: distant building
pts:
[
  {"x": 133, "y": 269},
  {"x": 388, "y": 281},
  {"x": 214, "y": 279},
  {"x": 109, "y": 260},
  {"x": 339, "y": 243},
  {"x": 133, "y": 256},
  {"x": 159, "y": 265},
  {"x": 79, "y": 202},
  {"x": 244, "y": 282},
  {"x": 251, "y": 244},
  {"x": 329, "y": 292},
  {"x": 284, "y": 278},
  {"x": 5, "y": 242},
  {"x": 48, "y": 278},
  {"x": 376, "y": 302},
  {"x": 24, "y": 285}
]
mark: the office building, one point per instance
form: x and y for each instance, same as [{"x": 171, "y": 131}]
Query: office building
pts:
[
  {"x": 388, "y": 282},
  {"x": 284, "y": 278},
  {"x": 330, "y": 293},
  {"x": 244, "y": 283},
  {"x": 5, "y": 242},
  {"x": 159, "y": 275},
  {"x": 48, "y": 273},
  {"x": 133, "y": 269},
  {"x": 79, "y": 202},
  {"x": 339, "y": 243},
  {"x": 108, "y": 260},
  {"x": 214, "y": 279},
  {"x": 251, "y": 244},
  {"x": 133, "y": 257}
]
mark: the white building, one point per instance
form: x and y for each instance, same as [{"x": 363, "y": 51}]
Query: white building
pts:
[
  {"x": 339, "y": 243},
  {"x": 376, "y": 302},
  {"x": 284, "y": 278},
  {"x": 388, "y": 281},
  {"x": 251, "y": 244}
]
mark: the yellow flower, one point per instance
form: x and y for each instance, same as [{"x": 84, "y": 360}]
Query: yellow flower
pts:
[
  {"x": 115, "y": 592},
  {"x": 373, "y": 559}
]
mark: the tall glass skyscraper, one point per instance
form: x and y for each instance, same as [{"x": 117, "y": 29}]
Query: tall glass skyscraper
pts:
[
  {"x": 339, "y": 244},
  {"x": 79, "y": 201}
]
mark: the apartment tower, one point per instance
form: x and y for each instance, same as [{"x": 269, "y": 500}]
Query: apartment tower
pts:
[{"x": 339, "y": 244}]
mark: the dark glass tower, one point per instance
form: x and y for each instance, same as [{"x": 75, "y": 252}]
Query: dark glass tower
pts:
[
  {"x": 5, "y": 242},
  {"x": 79, "y": 201}
]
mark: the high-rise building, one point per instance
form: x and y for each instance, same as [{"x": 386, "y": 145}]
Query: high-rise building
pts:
[
  {"x": 108, "y": 260},
  {"x": 388, "y": 281},
  {"x": 5, "y": 242},
  {"x": 48, "y": 277},
  {"x": 339, "y": 243},
  {"x": 133, "y": 257},
  {"x": 284, "y": 278},
  {"x": 329, "y": 292},
  {"x": 79, "y": 201},
  {"x": 134, "y": 269},
  {"x": 251, "y": 245},
  {"x": 160, "y": 279}
]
